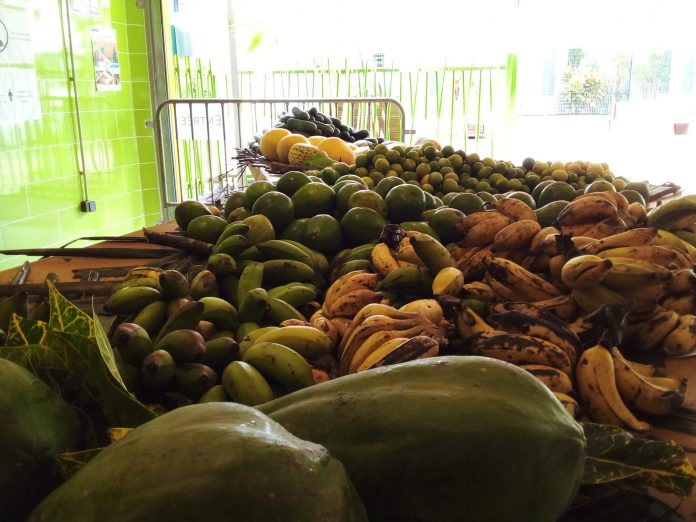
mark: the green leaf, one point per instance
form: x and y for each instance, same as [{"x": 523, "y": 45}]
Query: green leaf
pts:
[
  {"x": 118, "y": 405},
  {"x": 71, "y": 463},
  {"x": 66, "y": 317},
  {"x": 25, "y": 331},
  {"x": 105, "y": 350},
  {"x": 614, "y": 454}
]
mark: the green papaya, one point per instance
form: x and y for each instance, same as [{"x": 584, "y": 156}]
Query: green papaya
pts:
[
  {"x": 211, "y": 462},
  {"x": 36, "y": 425},
  {"x": 444, "y": 439}
]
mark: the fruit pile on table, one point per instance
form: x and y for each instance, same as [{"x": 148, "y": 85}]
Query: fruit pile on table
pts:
[{"x": 371, "y": 339}]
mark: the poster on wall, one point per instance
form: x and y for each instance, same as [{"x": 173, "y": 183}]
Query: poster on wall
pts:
[
  {"x": 19, "y": 92},
  {"x": 107, "y": 71}
]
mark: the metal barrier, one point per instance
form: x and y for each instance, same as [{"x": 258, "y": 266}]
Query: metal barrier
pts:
[{"x": 195, "y": 138}]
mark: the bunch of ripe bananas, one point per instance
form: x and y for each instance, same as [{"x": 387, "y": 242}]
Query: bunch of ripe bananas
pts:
[
  {"x": 600, "y": 214},
  {"x": 599, "y": 384},
  {"x": 505, "y": 231}
]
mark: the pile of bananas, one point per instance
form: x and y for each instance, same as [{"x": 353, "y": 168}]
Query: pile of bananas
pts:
[{"x": 597, "y": 384}]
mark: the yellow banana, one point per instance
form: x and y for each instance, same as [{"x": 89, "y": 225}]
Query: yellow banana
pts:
[
  {"x": 368, "y": 311},
  {"x": 347, "y": 305},
  {"x": 517, "y": 322},
  {"x": 354, "y": 280},
  {"x": 646, "y": 370},
  {"x": 518, "y": 234},
  {"x": 448, "y": 281},
  {"x": 683, "y": 303},
  {"x": 554, "y": 379},
  {"x": 376, "y": 340},
  {"x": 637, "y": 214},
  {"x": 629, "y": 274},
  {"x": 514, "y": 209},
  {"x": 428, "y": 308},
  {"x": 477, "y": 290},
  {"x": 570, "y": 404},
  {"x": 418, "y": 347},
  {"x": 562, "y": 306},
  {"x": 652, "y": 333},
  {"x": 588, "y": 209},
  {"x": 660, "y": 255},
  {"x": 475, "y": 266},
  {"x": 682, "y": 280},
  {"x": 629, "y": 238},
  {"x": 640, "y": 393},
  {"x": 468, "y": 222},
  {"x": 383, "y": 259},
  {"x": 341, "y": 325},
  {"x": 594, "y": 296},
  {"x": 374, "y": 324},
  {"x": 324, "y": 324},
  {"x": 380, "y": 352},
  {"x": 523, "y": 282},
  {"x": 469, "y": 323},
  {"x": 149, "y": 272},
  {"x": 501, "y": 290},
  {"x": 606, "y": 228},
  {"x": 585, "y": 270},
  {"x": 681, "y": 340},
  {"x": 406, "y": 252},
  {"x": 484, "y": 233},
  {"x": 596, "y": 382},
  {"x": 519, "y": 349},
  {"x": 539, "y": 239}
]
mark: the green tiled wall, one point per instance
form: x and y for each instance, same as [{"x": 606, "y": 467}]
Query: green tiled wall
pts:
[{"x": 40, "y": 188}]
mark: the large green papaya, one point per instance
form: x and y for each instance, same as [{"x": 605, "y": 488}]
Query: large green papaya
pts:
[
  {"x": 207, "y": 462},
  {"x": 35, "y": 425},
  {"x": 445, "y": 439}
]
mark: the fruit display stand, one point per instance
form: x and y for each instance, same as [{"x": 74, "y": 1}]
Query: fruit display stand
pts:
[{"x": 326, "y": 302}]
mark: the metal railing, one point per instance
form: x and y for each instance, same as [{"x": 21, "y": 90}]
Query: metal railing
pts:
[{"x": 196, "y": 139}]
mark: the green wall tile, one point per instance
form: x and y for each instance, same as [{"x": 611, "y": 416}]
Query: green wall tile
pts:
[
  {"x": 148, "y": 176},
  {"x": 140, "y": 117},
  {"x": 139, "y": 67},
  {"x": 130, "y": 178},
  {"x": 151, "y": 200},
  {"x": 125, "y": 124},
  {"x": 15, "y": 205},
  {"x": 134, "y": 15},
  {"x": 136, "y": 39},
  {"x": 54, "y": 195},
  {"x": 121, "y": 37},
  {"x": 118, "y": 11},
  {"x": 141, "y": 95},
  {"x": 146, "y": 149},
  {"x": 31, "y": 232}
]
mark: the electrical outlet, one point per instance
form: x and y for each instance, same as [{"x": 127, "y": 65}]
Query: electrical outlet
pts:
[{"x": 88, "y": 206}]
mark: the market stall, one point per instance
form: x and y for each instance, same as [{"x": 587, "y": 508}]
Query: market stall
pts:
[{"x": 424, "y": 314}]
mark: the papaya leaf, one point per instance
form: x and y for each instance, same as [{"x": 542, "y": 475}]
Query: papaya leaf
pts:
[
  {"x": 25, "y": 331},
  {"x": 66, "y": 317},
  {"x": 614, "y": 454},
  {"x": 71, "y": 463}
]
